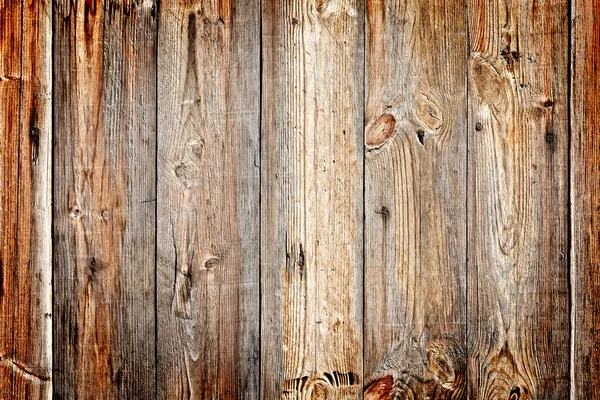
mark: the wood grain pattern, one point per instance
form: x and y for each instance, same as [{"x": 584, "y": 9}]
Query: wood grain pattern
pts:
[
  {"x": 585, "y": 198},
  {"x": 25, "y": 241},
  {"x": 518, "y": 200},
  {"x": 415, "y": 228},
  {"x": 208, "y": 193},
  {"x": 104, "y": 193},
  {"x": 312, "y": 199}
]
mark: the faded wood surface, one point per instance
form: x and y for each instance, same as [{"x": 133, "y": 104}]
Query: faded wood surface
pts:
[
  {"x": 415, "y": 229},
  {"x": 25, "y": 241},
  {"x": 585, "y": 198},
  {"x": 208, "y": 192},
  {"x": 312, "y": 199},
  {"x": 518, "y": 200},
  {"x": 103, "y": 203}
]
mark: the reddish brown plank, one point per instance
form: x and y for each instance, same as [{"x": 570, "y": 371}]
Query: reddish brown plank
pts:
[
  {"x": 25, "y": 156},
  {"x": 585, "y": 198}
]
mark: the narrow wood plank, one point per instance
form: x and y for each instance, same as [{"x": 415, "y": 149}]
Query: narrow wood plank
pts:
[
  {"x": 585, "y": 198},
  {"x": 25, "y": 243},
  {"x": 208, "y": 199},
  {"x": 104, "y": 194},
  {"x": 312, "y": 199},
  {"x": 518, "y": 200},
  {"x": 415, "y": 227}
]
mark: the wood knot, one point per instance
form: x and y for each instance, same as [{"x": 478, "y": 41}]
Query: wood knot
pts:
[
  {"x": 548, "y": 103},
  {"x": 380, "y": 388},
  {"x": 478, "y": 127},
  {"x": 94, "y": 267},
  {"x": 321, "y": 386},
  {"x": 75, "y": 212},
  {"x": 380, "y": 131},
  {"x": 490, "y": 86},
  {"x": 384, "y": 212},
  {"x": 421, "y": 136},
  {"x": 510, "y": 57},
  {"x": 196, "y": 147},
  {"x": 441, "y": 367},
  {"x": 515, "y": 393},
  {"x": 429, "y": 113},
  {"x": 184, "y": 174},
  {"x": 211, "y": 263}
]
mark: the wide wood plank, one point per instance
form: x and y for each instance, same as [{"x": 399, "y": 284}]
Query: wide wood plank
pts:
[
  {"x": 312, "y": 199},
  {"x": 415, "y": 227},
  {"x": 585, "y": 198},
  {"x": 104, "y": 194},
  {"x": 208, "y": 193},
  {"x": 25, "y": 243},
  {"x": 518, "y": 200}
]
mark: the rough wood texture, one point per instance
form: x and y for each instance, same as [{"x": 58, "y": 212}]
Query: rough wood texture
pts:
[
  {"x": 585, "y": 198},
  {"x": 104, "y": 193},
  {"x": 208, "y": 193},
  {"x": 518, "y": 200},
  {"x": 312, "y": 199},
  {"x": 25, "y": 243},
  {"x": 415, "y": 252}
]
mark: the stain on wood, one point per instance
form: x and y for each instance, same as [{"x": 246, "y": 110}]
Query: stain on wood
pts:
[
  {"x": 311, "y": 197},
  {"x": 208, "y": 192},
  {"x": 415, "y": 227},
  {"x": 25, "y": 214},
  {"x": 518, "y": 316},
  {"x": 104, "y": 175}
]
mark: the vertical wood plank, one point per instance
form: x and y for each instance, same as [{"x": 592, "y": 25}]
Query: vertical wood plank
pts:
[
  {"x": 25, "y": 157},
  {"x": 104, "y": 194},
  {"x": 585, "y": 198},
  {"x": 518, "y": 199},
  {"x": 312, "y": 198},
  {"x": 415, "y": 227},
  {"x": 208, "y": 199}
]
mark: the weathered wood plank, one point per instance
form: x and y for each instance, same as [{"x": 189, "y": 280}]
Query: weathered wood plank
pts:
[
  {"x": 585, "y": 198},
  {"x": 312, "y": 198},
  {"x": 208, "y": 199},
  {"x": 518, "y": 200},
  {"x": 104, "y": 193},
  {"x": 415, "y": 227},
  {"x": 25, "y": 243}
]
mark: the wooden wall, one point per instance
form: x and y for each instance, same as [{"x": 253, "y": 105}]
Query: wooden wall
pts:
[{"x": 299, "y": 199}]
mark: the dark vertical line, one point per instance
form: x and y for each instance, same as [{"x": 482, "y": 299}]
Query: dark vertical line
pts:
[
  {"x": 260, "y": 249},
  {"x": 364, "y": 176},
  {"x": 570, "y": 269},
  {"x": 467, "y": 186},
  {"x": 157, "y": 16}
]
